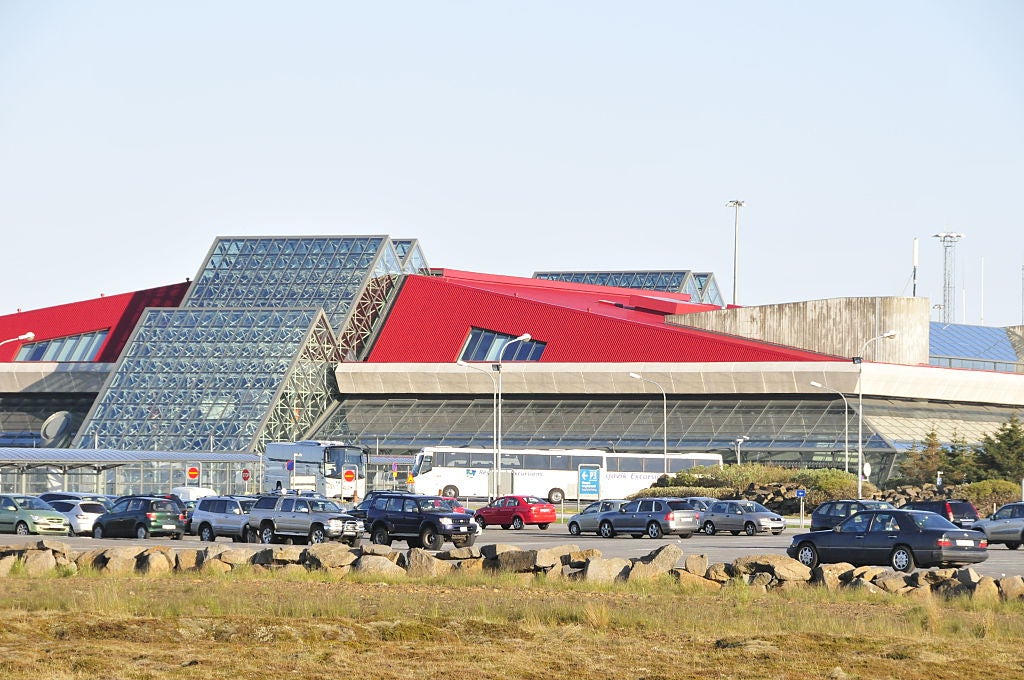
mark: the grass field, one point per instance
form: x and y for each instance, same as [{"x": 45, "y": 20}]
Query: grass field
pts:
[{"x": 247, "y": 625}]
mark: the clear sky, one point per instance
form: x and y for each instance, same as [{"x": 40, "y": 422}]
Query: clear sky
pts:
[{"x": 511, "y": 137}]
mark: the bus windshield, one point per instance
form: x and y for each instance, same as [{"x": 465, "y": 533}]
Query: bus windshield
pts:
[{"x": 339, "y": 458}]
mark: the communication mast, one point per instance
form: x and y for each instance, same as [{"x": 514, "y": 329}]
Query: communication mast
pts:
[{"x": 949, "y": 240}]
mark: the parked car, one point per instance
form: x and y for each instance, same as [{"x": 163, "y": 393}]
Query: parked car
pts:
[
  {"x": 421, "y": 521},
  {"x": 586, "y": 521},
  {"x": 960, "y": 512},
  {"x": 81, "y": 514},
  {"x": 902, "y": 539},
  {"x": 654, "y": 517},
  {"x": 516, "y": 512},
  {"x": 1005, "y": 525},
  {"x": 276, "y": 518},
  {"x": 141, "y": 517},
  {"x": 20, "y": 514},
  {"x": 747, "y": 516},
  {"x": 702, "y": 503},
  {"x": 831, "y": 513},
  {"x": 215, "y": 516},
  {"x": 104, "y": 500}
]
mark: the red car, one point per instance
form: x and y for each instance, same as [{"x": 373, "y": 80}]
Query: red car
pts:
[{"x": 516, "y": 512}]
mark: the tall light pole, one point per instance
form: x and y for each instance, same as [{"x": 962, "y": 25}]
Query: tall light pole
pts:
[
  {"x": 846, "y": 426},
  {"x": 736, "y": 205},
  {"x": 738, "y": 442},
  {"x": 24, "y": 337},
  {"x": 525, "y": 337},
  {"x": 491, "y": 487},
  {"x": 859, "y": 360},
  {"x": 664, "y": 415}
]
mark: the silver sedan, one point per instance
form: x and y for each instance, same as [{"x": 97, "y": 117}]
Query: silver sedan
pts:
[
  {"x": 586, "y": 521},
  {"x": 1005, "y": 525},
  {"x": 742, "y": 516}
]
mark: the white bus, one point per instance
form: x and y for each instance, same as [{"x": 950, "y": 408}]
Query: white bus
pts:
[
  {"x": 555, "y": 474},
  {"x": 331, "y": 469}
]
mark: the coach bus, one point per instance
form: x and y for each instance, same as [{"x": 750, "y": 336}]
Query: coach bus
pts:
[
  {"x": 327, "y": 468},
  {"x": 554, "y": 474}
]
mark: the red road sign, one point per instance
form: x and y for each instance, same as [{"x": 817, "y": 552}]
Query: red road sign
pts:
[
  {"x": 245, "y": 475},
  {"x": 350, "y": 475},
  {"x": 192, "y": 472}
]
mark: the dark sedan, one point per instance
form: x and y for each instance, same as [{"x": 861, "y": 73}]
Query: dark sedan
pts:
[{"x": 901, "y": 539}]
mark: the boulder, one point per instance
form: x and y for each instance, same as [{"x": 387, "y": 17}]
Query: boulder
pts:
[
  {"x": 831, "y": 576},
  {"x": 550, "y": 557},
  {"x": 91, "y": 559},
  {"x": 657, "y": 563},
  {"x": 986, "y": 589},
  {"x": 763, "y": 579},
  {"x": 492, "y": 551},
  {"x": 469, "y": 566},
  {"x": 720, "y": 572},
  {"x": 468, "y": 553},
  {"x": 891, "y": 582},
  {"x": 118, "y": 565},
  {"x": 862, "y": 585},
  {"x": 155, "y": 561},
  {"x": 518, "y": 561},
  {"x": 696, "y": 564},
  {"x": 215, "y": 566},
  {"x": 59, "y": 548},
  {"x": 868, "y": 573},
  {"x": 1012, "y": 587},
  {"x": 39, "y": 562},
  {"x": 968, "y": 576},
  {"x": 237, "y": 556},
  {"x": 601, "y": 570},
  {"x": 287, "y": 554},
  {"x": 781, "y": 567},
  {"x": 424, "y": 564},
  {"x": 688, "y": 578},
  {"x": 329, "y": 556},
  {"x": 188, "y": 559},
  {"x": 377, "y": 564},
  {"x": 376, "y": 549},
  {"x": 290, "y": 568}
]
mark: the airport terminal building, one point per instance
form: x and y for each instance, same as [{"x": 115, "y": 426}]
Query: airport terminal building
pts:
[{"x": 357, "y": 338}]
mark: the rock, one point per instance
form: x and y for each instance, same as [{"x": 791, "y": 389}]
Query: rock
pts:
[
  {"x": 123, "y": 553},
  {"x": 377, "y": 564},
  {"x": 290, "y": 568},
  {"x": 951, "y": 587},
  {"x": 188, "y": 559},
  {"x": 91, "y": 559},
  {"x": 1012, "y": 587},
  {"x": 492, "y": 551},
  {"x": 696, "y": 564},
  {"x": 329, "y": 556},
  {"x": 687, "y": 578},
  {"x": 832, "y": 576},
  {"x": 215, "y": 566},
  {"x": 469, "y": 566},
  {"x": 658, "y": 563},
  {"x": 518, "y": 561},
  {"x": 781, "y": 567},
  {"x": 237, "y": 556},
  {"x": 934, "y": 576},
  {"x": 601, "y": 570},
  {"x": 986, "y": 589},
  {"x": 916, "y": 592},
  {"x": 890, "y": 582},
  {"x": 288, "y": 554},
  {"x": 155, "y": 561},
  {"x": 860, "y": 584},
  {"x": 470, "y": 553},
  {"x": 424, "y": 564},
  {"x": 376, "y": 549},
  {"x": 578, "y": 558},
  {"x": 550, "y": 557},
  {"x": 762, "y": 579},
  {"x": 57, "y": 547},
  {"x": 720, "y": 572},
  {"x": 868, "y": 573},
  {"x": 968, "y": 576},
  {"x": 118, "y": 565},
  {"x": 39, "y": 562}
]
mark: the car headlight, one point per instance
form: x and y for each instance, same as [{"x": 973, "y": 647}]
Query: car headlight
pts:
[
  {"x": 37, "y": 518},
  {"x": 446, "y": 521},
  {"x": 766, "y": 521},
  {"x": 335, "y": 523}
]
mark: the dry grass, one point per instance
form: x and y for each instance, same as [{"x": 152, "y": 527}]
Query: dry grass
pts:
[{"x": 246, "y": 625}]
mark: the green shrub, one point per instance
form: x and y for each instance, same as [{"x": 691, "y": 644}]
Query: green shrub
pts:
[
  {"x": 989, "y": 494},
  {"x": 826, "y": 484},
  {"x": 683, "y": 491}
]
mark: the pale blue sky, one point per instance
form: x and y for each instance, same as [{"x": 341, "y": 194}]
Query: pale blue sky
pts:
[{"x": 519, "y": 136}]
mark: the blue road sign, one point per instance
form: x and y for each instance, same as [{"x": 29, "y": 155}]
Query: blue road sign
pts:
[
  {"x": 590, "y": 482},
  {"x": 800, "y": 493}
]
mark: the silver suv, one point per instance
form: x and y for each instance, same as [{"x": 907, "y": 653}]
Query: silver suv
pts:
[
  {"x": 1005, "y": 525},
  {"x": 222, "y": 516},
  {"x": 273, "y": 519}
]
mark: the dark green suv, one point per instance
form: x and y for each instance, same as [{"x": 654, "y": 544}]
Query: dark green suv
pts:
[{"x": 141, "y": 517}]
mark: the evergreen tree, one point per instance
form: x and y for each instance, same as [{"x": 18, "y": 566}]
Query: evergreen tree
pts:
[
  {"x": 1002, "y": 456},
  {"x": 962, "y": 465},
  {"x": 922, "y": 465}
]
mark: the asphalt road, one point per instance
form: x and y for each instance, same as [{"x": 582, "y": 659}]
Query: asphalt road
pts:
[{"x": 718, "y": 548}]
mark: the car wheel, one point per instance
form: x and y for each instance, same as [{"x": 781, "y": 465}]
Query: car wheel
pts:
[
  {"x": 97, "y": 531},
  {"x": 607, "y": 530},
  {"x": 177, "y": 537},
  {"x": 251, "y": 535},
  {"x": 556, "y": 496},
  {"x": 574, "y": 529},
  {"x": 709, "y": 528},
  {"x": 431, "y": 539},
  {"x": 380, "y": 535},
  {"x": 21, "y": 529},
  {"x": 750, "y": 529},
  {"x": 141, "y": 531},
  {"x": 543, "y": 526},
  {"x": 1012, "y": 545},
  {"x": 506, "y": 526},
  {"x": 206, "y": 533},
  {"x": 267, "y": 534},
  {"x": 317, "y": 534},
  {"x": 480, "y": 522},
  {"x": 902, "y": 559},
  {"x": 450, "y": 491},
  {"x": 807, "y": 555},
  {"x": 517, "y": 523},
  {"x": 654, "y": 530}
]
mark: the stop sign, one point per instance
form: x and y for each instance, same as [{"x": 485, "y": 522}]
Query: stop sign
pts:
[
  {"x": 192, "y": 472},
  {"x": 245, "y": 475},
  {"x": 350, "y": 475}
]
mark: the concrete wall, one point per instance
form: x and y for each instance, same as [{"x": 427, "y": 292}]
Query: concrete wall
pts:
[{"x": 838, "y": 326}]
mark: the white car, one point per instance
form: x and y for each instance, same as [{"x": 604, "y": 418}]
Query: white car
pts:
[{"x": 81, "y": 514}]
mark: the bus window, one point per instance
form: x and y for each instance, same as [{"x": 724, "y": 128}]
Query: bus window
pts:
[
  {"x": 631, "y": 464},
  {"x": 536, "y": 461},
  {"x": 481, "y": 463},
  {"x": 508, "y": 462},
  {"x": 423, "y": 465}
]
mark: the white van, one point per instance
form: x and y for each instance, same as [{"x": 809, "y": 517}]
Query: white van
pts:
[{"x": 192, "y": 493}]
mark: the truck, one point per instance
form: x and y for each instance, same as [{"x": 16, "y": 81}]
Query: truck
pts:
[{"x": 332, "y": 469}]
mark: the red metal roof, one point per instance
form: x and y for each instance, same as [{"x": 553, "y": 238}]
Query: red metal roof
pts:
[
  {"x": 432, "y": 317},
  {"x": 116, "y": 314}
]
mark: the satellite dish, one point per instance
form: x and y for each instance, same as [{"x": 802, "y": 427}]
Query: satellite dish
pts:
[{"x": 56, "y": 429}]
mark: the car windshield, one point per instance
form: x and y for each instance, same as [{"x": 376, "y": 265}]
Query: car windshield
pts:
[
  {"x": 533, "y": 500},
  {"x": 929, "y": 520},
  {"x": 877, "y": 505},
  {"x": 247, "y": 505},
  {"x": 324, "y": 506},
  {"x": 751, "y": 506},
  {"x": 93, "y": 508},
  {"x": 32, "y": 503},
  {"x": 432, "y": 505}
]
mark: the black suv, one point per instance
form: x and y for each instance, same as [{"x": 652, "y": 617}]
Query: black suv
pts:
[
  {"x": 958, "y": 511},
  {"x": 141, "y": 517},
  {"x": 421, "y": 521},
  {"x": 831, "y": 513}
]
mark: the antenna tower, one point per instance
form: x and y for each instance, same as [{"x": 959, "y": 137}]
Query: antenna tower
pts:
[{"x": 949, "y": 240}]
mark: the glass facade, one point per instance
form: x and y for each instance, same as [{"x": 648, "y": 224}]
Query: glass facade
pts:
[
  {"x": 82, "y": 347},
  {"x": 975, "y": 347},
  {"x": 483, "y": 345},
  {"x": 701, "y": 286}
]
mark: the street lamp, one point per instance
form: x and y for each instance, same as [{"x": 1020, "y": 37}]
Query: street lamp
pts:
[
  {"x": 738, "y": 442},
  {"x": 735, "y": 243},
  {"x": 24, "y": 337},
  {"x": 846, "y": 426},
  {"x": 494, "y": 420},
  {"x": 664, "y": 415},
  {"x": 859, "y": 360},
  {"x": 525, "y": 337}
]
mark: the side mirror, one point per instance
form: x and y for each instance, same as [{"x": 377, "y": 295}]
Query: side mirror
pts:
[{"x": 836, "y": 528}]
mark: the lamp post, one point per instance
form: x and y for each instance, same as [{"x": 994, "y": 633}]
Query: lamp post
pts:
[
  {"x": 664, "y": 415},
  {"x": 24, "y": 337},
  {"x": 738, "y": 442},
  {"x": 491, "y": 487},
  {"x": 735, "y": 243},
  {"x": 859, "y": 360},
  {"x": 525, "y": 337},
  {"x": 846, "y": 426}
]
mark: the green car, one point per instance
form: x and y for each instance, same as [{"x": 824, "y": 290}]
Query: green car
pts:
[{"x": 30, "y": 515}]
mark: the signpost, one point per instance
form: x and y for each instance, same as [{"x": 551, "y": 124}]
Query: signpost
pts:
[
  {"x": 192, "y": 472},
  {"x": 801, "y": 493},
  {"x": 246, "y": 474},
  {"x": 589, "y": 482}
]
